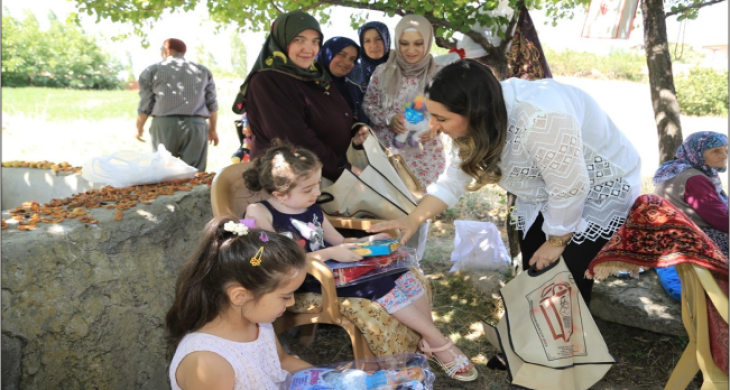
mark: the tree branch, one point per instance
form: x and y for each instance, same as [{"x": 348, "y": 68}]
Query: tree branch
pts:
[
  {"x": 275, "y": 7},
  {"x": 693, "y": 6},
  {"x": 359, "y": 5}
]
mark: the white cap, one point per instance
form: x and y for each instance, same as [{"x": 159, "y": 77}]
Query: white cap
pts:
[{"x": 471, "y": 48}]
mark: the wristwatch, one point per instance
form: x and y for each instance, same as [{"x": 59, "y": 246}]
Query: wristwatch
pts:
[{"x": 558, "y": 241}]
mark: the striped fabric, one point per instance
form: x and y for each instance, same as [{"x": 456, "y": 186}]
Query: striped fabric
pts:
[{"x": 176, "y": 86}]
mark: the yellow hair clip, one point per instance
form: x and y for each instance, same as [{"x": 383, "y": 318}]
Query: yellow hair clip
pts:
[{"x": 256, "y": 259}]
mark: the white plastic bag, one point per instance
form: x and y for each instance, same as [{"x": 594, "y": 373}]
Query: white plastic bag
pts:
[
  {"x": 478, "y": 246},
  {"x": 128, "y": 168}
]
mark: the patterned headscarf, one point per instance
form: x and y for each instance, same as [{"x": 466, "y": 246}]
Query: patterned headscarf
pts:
[
  {"x": 397, "y": 67},
  {"x": 365, "y": 68},
  {"x": 691, "y": 155},
  {"x": 273, "y": 55}
]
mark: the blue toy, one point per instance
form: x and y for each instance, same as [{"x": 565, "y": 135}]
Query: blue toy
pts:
[{"x": 416, "y": 121}]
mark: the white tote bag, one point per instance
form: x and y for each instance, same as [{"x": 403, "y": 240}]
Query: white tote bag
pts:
[
  {"x": 379, "y": 192},
  {"x": 547, "y": 334}
]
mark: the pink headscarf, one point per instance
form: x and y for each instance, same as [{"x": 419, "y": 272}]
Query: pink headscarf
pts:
[{"x": 396, "y": 67}]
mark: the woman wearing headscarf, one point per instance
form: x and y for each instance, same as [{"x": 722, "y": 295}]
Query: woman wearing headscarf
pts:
[
  {"x": 338, "y": 57},
  {"x": 692, "y": 184},
  {"x": 289, "y": 96},
  {"x": 375, "y": 43},
  {"x": 396, "y": 83}
]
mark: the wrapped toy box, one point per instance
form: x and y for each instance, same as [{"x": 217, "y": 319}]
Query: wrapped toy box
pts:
[
  {"x": 403, "y": 371},
  {"x": 347, "y": 274},
  {"x": 377, "y": 247}
]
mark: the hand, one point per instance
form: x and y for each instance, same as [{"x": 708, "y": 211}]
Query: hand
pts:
[
  {"x": 343, "y": 253},
  {"x": 213, "y": 137},
  {"x": 546, "y": 255},
  {"x": 397, "y": 125},
  {"x": 362, "y": 134},
  {"x": 139, "y": 135},
  {"x": 429, "y": 135},
  {"x": 246, "y": 131},
  {"x": 407, "y": 226}
]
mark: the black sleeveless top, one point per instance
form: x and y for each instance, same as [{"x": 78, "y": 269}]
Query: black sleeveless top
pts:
[{"x": 306, "y": 229}]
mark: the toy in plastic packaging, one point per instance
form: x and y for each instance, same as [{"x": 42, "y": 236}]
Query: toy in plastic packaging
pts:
[
  {"x": 415, "y": 118},
  {"x": 377, "y": 247},
  {"x": 348, "y": 274},
  {"x": 403, "y": 371}
]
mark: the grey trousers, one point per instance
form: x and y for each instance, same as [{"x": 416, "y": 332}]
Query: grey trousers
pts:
[{"x": 185, "y": 137}]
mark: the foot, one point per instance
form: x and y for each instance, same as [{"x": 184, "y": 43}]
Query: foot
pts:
[{"x": 451, "y": 359}]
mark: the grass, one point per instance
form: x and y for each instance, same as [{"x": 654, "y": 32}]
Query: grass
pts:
[
  {"x": 66, "y": 105},
  {"x": 74, "y": 126}
]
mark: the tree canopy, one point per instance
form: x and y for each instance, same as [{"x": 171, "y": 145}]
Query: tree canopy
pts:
[
  {"x": 447, "y": 16},
  {"x": 62, "y": 56}
]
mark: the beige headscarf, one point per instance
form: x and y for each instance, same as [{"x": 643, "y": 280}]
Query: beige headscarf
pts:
[{"x": 396, "y": 67}]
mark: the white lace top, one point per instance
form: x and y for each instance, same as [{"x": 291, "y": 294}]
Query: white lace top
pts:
[
  {"x": 256, "y": 363},
  {"x": 564, "y": 157}
]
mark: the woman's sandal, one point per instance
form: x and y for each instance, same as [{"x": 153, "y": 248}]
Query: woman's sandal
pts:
[{"x": 451, "y": 369}]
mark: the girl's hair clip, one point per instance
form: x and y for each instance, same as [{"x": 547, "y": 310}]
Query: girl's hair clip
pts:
[
  {"x": 264, "y": 237},
  {"x": 256, "y": 259},
  {"x": 236, "y": 228}
]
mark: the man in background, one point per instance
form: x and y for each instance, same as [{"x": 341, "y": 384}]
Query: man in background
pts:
[{"x": 179, "y": 95}]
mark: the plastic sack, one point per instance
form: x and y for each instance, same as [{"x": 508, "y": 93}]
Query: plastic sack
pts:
[
  {"x": 129, "y": 168},
  {"x": 402, "y": 371},
  {"x": 478, "y": 246}
]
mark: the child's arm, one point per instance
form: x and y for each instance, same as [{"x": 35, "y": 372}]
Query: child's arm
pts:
[
  {"x": 332, "y": 236},
  {"x": 205, "y": 370},
  {"x": 289, "y": 363},
  {"x": 262, "y": 216}
]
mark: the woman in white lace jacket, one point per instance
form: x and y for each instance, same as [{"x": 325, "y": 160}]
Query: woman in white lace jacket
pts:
[{"x": 574, "y": 173}]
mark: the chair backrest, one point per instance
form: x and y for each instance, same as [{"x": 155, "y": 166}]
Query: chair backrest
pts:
[
  {"x": 712, "y": 289},
  {"x": 229, "y": 194}
]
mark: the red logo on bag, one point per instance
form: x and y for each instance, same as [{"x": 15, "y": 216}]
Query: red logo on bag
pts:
[{"x": 556, "y": 304}]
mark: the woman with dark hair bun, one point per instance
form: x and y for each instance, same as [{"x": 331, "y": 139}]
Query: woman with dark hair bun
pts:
[{"x": 575, "y": 174}]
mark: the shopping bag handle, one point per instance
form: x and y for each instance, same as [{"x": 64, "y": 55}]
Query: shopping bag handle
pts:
[
  {"x": 325, "y": 197},
  {"x": 533, "y": 271}
]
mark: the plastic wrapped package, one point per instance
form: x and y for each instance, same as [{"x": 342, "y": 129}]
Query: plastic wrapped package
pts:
[
  {"x": 403, "y": 371},
  {"x": 348, "y": 274}
]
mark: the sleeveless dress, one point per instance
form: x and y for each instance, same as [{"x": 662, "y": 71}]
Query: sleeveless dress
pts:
[
  {"x": 306, "y": 229},
  {"x": 256, "y": 363}
]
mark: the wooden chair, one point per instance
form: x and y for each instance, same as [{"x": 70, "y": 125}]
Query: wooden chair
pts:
[
  {"x": 696, "y": 282},
  {"x": 230, "y": 196}
]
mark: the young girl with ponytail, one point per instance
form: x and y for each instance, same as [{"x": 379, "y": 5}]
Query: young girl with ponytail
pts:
[{"x": 227, "y": 295}]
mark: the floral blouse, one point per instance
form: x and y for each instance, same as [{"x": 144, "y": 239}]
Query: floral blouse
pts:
[{"x": 426, "y": 161}]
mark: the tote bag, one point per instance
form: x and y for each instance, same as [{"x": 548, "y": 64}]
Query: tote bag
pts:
[
  {"x": 379, "y": 192},
  {"x": 547, "y": 334}
]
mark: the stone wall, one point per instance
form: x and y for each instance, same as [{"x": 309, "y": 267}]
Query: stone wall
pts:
[{"x": 83, "y": 305}]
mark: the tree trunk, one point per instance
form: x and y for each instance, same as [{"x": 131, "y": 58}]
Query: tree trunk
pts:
[{"x": 661, "y": 79}]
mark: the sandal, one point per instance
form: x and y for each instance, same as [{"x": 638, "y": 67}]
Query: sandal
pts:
[{"x": 451, "y": 369}]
